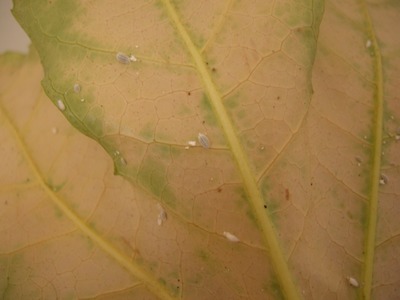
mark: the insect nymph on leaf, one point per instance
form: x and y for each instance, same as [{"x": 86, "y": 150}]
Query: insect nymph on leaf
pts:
[
  {"x": 162, "y": 216},
  {"x": 383, "y": 179},
  {"x": 123, "y": 161},
  {"x": 353, "y": 281},
  {"x": 123, "y": 58},
  {"x": 77, "y": 88},
  {"x": 203, "y": 140},
  {"x": 231, "y": 237},
  {"x": 60, "y": 105}
]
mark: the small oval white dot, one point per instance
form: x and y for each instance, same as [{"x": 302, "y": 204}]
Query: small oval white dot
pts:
[
  {"x": 132, "y": 58},
  {"x": 353, "y": 281},
  {"x": 60, "y": 105},
  {"x": 231, "y": 237}
]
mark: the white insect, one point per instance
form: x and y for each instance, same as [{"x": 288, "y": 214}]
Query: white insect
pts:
[
  {"x": 368, "y": 44},
  {"x": 77, "y": 88},
  {"x": 192, "y": 143},
  {"x": 232, "y": 238},
  {"x": 352, "y": 281},
  {"x": 123, "y": 58},
  {"x": 60, "y": 104},
  {"x": 383, "y": 179},
  {"x": 162, "y": 216},
  {"x": 203, "y": 140},
  {"x": 123, "y": 161}
]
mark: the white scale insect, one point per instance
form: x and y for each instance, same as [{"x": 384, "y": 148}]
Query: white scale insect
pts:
[
  {"x": 203, "y": 140},
  {"x": 231, "y": 237},
  {"x": 60, "y": 105}
]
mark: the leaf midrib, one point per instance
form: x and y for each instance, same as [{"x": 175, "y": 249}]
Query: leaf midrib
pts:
[
  {"x": 372, "y": 211},
  {"x": 254, "y": 195}
]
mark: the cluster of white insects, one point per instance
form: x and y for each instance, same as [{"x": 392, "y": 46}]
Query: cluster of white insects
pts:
[
  {"x": 202, "y": 139},
  {"x": 121, "y": 57}
]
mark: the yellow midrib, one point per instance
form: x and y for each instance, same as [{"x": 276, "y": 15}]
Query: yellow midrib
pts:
[
  {"x": 376, "y": 161},
  {"x": 122, "y": 259},
  {"x": 254, "y": 194}
]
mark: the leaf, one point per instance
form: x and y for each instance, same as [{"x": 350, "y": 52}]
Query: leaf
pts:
[{"x": 302, "y": 126}]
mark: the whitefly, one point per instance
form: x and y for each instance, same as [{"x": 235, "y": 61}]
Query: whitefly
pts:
[
  {"x": 203, "y": 140},
  {"x": 123, "y": 58}
]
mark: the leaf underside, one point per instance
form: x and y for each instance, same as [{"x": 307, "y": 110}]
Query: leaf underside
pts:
[{"x": 298, "y": 101}]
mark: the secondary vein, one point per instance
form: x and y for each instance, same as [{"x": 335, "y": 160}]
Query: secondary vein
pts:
[{"x": 102, "y": 243}]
